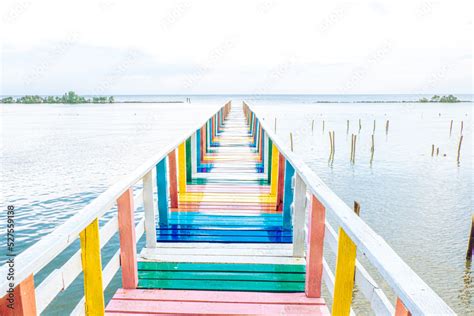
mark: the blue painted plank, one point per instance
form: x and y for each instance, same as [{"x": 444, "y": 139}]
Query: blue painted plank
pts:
[{"x": 288, "y": 195}]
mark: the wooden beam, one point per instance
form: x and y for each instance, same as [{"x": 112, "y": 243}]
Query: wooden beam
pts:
[
  {"x": 149, "y": 208},
  {"x": 128, "y": 245},
  {"x": 162, "y": 188},
  {"x": 314, "y": 255},
  {"x": 345, "y": 268},
  {"x": 92, "y": 267},
  {"x": 173, "y": 179},
  {"x": 299, "y": 217},
  {"x": 21, "y": 301}
]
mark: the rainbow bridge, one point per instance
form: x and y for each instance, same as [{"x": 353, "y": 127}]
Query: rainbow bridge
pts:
[{"x": 234, "y": 224}]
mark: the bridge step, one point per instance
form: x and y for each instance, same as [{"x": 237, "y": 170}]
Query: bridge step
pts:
[
  {"x": 222, "y": 277},
  {"x": 156, "y": 302}
]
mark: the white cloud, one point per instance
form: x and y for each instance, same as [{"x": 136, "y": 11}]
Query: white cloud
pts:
[{"x": 205, "y": 46}]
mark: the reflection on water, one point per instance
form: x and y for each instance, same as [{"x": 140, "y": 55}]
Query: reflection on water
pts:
[{"x": 57, "y": 158}]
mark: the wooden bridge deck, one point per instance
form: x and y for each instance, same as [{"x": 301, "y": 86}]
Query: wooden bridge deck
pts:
[{"x": 224, "y": 239}]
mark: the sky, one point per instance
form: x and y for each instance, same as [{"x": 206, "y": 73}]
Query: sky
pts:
[{"x": 239, "y": 47}]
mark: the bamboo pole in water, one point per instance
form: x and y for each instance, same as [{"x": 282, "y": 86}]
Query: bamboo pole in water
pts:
[
  {"x": 360, "y": 125},
  {"x": 354, "y": 153},
  {"x": 374, "y": 126},
  {"x": 459, "y": 148},
  {"x": 451, "y": 128},
  {"x": 432, "y": 150},
  {"x": 462, "y": 126},
  {"x": 312, "y": 127},
  {"x": 437, "y": 151},
  {"x": 330, "y": 146},
  {"x": 372, "y": 149},
  {"x": 386, "y": 127},
  {"x": 470, "y": 245},
  {"x": 333, "y": 144},
  {"x": 291, "y": 141},
  {"x": 352, "y": 147}
]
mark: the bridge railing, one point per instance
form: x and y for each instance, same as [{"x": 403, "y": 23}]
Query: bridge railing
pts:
[
  {"x": 310, "y": 229},
  {"x": 20, "y": 296}
]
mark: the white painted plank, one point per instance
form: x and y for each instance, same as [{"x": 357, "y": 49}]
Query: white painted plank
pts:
[
  {"x": 219, "y": 252},
  {"x": 286, "y": 247},
  {"x": 150, "y": 211},
  {"x": 299, "y": 217}
]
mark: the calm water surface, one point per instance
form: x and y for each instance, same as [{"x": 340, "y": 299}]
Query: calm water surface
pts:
[{"x": 57, "y": 158}]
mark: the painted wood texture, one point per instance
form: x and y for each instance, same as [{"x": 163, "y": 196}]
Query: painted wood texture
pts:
[
  {"x": 162, "y": 189},
  {"x": 182, "y": 168},
  {"x": 345, "y": 267},
  {"x": 314, "y": 256},
  {"x": 92, "y": 267},
  {"x": 139, "y": 302},
  {"x": 173, "y": 180},
  {"x": 149, "y": 208},
  {"x": 22, "y": 301},
  {"x": 400, "y": 309},
  {"x": 128, "y": 244}
]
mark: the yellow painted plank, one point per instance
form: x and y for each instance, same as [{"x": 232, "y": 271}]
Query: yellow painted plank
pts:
[
  {"x": 345, "y": 268},
  {"x": 92, "y": 267},
  {"x": 182, "y": 168},
  {"x": 210, "y": 197},
  {"x": 274, "y": 178}
]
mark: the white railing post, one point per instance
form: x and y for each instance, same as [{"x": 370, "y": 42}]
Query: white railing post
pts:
[
  {"x": 150, "y": 212},
  {"x": 299, "y": 217}
]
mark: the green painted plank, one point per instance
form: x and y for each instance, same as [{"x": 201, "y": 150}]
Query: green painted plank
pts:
[
  {"x": 230, "y": 267},
  {"x": 189, "y": 173},
  {"x": 227, "y": 276},
  {"x": 219, "y": 285}
]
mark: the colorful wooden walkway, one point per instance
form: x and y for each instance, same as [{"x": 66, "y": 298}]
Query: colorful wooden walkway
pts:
[
  {"x": 234, "y": 224},
  {"x": 224, "y": 237}
]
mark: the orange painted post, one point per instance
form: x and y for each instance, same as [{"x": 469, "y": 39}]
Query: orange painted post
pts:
[
  {"x": 400, "y": 309},
  {"x": 314, "y": 256},
  {"x": 173, "y": 180},
  {"x": 281, "y": 182},
  {"x": 22, "y": 301},
  {"x": 128, "y": 245}
]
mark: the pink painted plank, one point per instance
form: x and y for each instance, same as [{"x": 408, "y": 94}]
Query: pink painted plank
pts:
[
  {"x": 128, "y": 245},
  {"x": 217, "y": 296},
  {"x": 24, "y": 300},
  {"x": 216, "y": 308},
  {"x": 173, "y": 180},
  {"x": 314, "y": 256}
]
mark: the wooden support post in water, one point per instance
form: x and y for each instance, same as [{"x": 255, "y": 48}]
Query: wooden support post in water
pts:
[
  {"x": 432, "y": 150},
  {"x": 345, "y": 268},
  {"x": 330, "y": 146},
  {"x": 291, "y": 141},
  {"x": 149, "y": 208},
  {"x": 323, "y": 126},
  {"x": 374, "y": 127},
  {"x": 470, "y": 245},
  {"x": 299, "y": 217},
  {"x": 450, "y": 128},
  {"x": 372, "y": 149},
  {"x": 347, "y": 129},
  {"x": 360, "y": 125},
  {"x": 437, "y": 151},
  {"x": 314, "y": 253},
  {"x": 92, "y": 268},
  {"x": 386, "y": 126},
  {"x": 173, "y": 179},
  {"x": 462, "y": 126},
  {"x": 312, "y": 127},
  {"x": 459, "y": 148},
  {"x": 23, "y": 299},
  {"x": 128, "y": 244}
]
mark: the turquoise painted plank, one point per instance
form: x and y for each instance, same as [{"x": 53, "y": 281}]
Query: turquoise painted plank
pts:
[
  {"x": 229, "y": 267},
  {"x": 222, "y": 275},
  {"x": 162, "y": 188},
  {"x": 288, "y": 195}
]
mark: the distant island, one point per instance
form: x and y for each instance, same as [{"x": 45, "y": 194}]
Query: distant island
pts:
[
  {"x": 70, "y": 98},
  {"x": 444, "y": 99}
]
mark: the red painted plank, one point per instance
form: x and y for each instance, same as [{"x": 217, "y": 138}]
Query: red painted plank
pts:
[
  {"x": 173, "y": 180},
  {"x": 314, "y": 256},
  {"x": 128, "y": 245}
]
